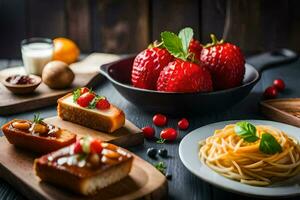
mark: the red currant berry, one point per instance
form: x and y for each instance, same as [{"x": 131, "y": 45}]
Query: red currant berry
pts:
[
  {"x": 271, "y": 92},
  {"x": 77, "y": 147},
  {"x": 279, "y": 84},
  {"x": 159, "y": 120},
  {"x": 95, "y": 146},
  {"x": 183, "y": 124},
  {"x": 148, "y": 132},
  {"x": 169, "y": 134},
  {"x": 102, "y": 104}
]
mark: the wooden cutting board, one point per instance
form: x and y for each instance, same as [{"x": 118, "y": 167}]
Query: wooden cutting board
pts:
[
  {"x": 16, "y": 167},
  {"x": 128, "y": 135},
  {"x": 282, "y": 110},
  {"x": 86, "y": 74}
]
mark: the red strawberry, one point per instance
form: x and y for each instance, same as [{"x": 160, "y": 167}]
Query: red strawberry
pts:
[
  {"x": 196, "y": 48},
  {"x": 184, "y": 76},
  {"x": 147, "y": 65},
  {"x": 103, "y": 104},
  {"x": 225, "y": 62},
  {"x": 85, "y": 99}
]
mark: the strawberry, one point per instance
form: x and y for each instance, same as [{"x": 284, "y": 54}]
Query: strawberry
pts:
[
  {"x": 195, "y": 47},
  {"x": 147, "y": 66},
  {"x": 85, "y": 99},
  {"x": 103, "y": 104},
  {"x": 225, "y": 62},
  {"x": 184, "y": 76}
]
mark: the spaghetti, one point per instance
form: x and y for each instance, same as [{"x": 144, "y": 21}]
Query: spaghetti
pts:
[{"x": 228, "y": 154}]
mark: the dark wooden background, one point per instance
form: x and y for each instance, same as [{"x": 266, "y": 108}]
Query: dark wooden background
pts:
[{"x": 127, "y": 26}]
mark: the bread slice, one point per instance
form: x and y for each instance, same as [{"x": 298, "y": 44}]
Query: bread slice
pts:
[
  {"x": 103, "y": 120},
  {"x": 34, "y": 142},
  {"x": 82, "y": 179}
]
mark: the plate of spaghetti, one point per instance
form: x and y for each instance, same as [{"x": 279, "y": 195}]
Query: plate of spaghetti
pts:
[{"x": 253, "y": 157}]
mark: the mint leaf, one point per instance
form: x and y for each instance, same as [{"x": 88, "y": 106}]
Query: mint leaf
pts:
[
  {"x": 246, "y": 130},
  {"x": 173, "y": 44},
  {"x": 186, "y": 36},
  {"x": 161, "y": 166},
  {"x": 160, "y": 141},
  {"x": 76, "y": 94},
  {"x": 269, "y": 145}
]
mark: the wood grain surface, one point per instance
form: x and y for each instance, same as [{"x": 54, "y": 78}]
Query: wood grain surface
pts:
[
  {"x": 129, "y": 26},
  {"x": 184, "y": 185},
  {"x": 282, "y": 110},
  {"x": 86, "y": 74},
  {"x": 42, "y": 96},
  {"x": 128, "y": 135},
  {"x": 16, "y": 165}
]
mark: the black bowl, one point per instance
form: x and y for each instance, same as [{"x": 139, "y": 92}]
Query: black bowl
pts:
[{"x": 119, "y": 73}]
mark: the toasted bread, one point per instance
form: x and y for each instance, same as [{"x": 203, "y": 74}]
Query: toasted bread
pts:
[
  {"x": 36, "y": 142},
  {"x": 84, "y": 180}
]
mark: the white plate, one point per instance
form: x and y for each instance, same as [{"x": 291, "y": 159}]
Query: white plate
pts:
[{"x": 188, "y": 152}]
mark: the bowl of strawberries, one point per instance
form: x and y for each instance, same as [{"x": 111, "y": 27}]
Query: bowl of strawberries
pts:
[{"x": 180, "y": 75}]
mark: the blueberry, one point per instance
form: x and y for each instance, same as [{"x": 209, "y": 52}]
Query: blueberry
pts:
[
  {"x": 163, "y": 153},
  {"x": 169, "y": 176},
  {"x": 151, "y": 152}
]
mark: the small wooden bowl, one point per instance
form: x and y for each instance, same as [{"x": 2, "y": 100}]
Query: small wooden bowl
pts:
[{"x": 23, "y": 88}]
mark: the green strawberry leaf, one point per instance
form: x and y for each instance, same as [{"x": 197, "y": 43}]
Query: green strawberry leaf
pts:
[
  {"x": 186, "y": 36},
  {"x": 269, "y": 145},
  {"x": 76, "y": 94},
  {"x": 173, "y": 44},
  {"x": 94, "y": 102}
]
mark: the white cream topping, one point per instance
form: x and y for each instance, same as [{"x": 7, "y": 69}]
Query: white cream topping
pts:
[{"x": 112, "y": 111}]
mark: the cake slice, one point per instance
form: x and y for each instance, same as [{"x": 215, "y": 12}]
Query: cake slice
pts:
[
  {"x": 84, "y": 167},
  {"x": 86, "y": 108},
  {"x": 36, "y": 135}
]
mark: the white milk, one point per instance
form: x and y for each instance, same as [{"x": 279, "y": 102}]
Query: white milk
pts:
[{"x": 36, "y": 56}]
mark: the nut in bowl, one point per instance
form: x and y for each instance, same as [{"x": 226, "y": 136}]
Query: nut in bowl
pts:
[
  {"x": 181, "y": 76},
  {"x": 22, "y": 84}
]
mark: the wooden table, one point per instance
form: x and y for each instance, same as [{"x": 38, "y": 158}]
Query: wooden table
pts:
[{"x": 183, "y": 185}]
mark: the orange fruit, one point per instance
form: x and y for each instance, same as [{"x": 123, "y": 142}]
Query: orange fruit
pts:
[{"x": 65, "y": 50}]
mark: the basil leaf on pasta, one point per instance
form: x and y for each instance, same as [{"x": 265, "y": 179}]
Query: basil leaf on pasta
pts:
[
  {"x": 246, "y": 130},
  {"x": 268, "y": 144}
]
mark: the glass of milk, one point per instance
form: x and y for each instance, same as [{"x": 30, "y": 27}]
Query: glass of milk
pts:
[{"x": 36, "y": 53}]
